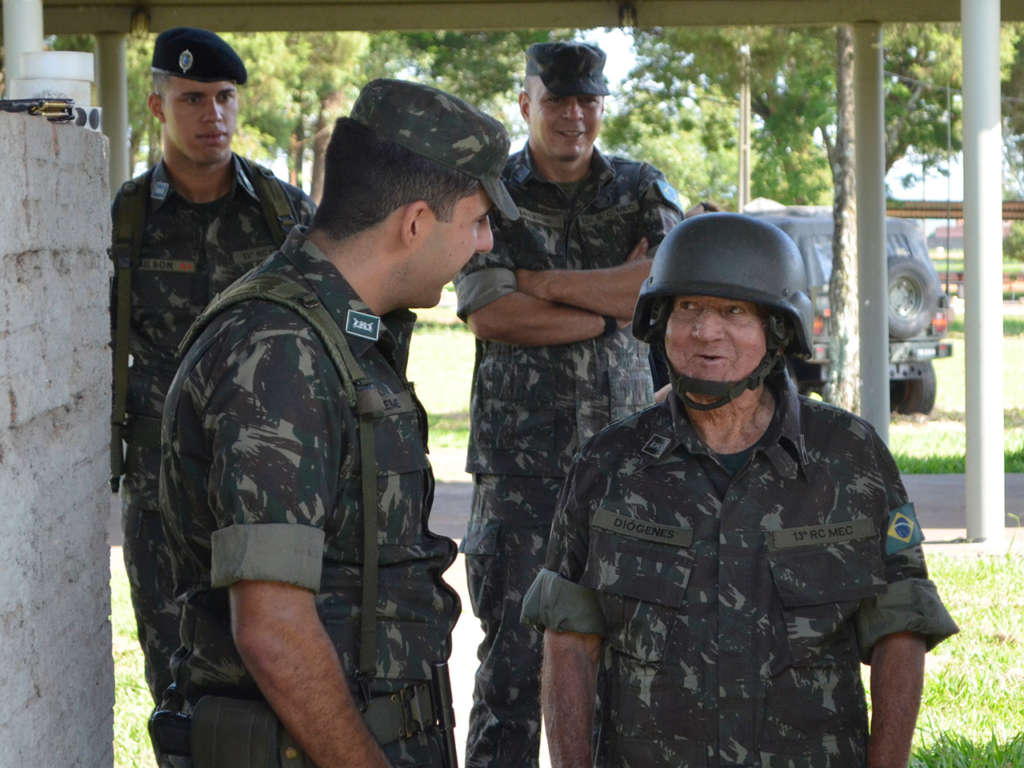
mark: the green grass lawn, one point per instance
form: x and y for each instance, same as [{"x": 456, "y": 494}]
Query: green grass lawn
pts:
[{"x": 971, "y": 713}]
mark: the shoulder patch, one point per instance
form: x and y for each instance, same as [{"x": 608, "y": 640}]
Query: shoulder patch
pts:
[
  {"x": 362, "y": 324},
  {"x": 904, "y": 530},
  {"x": 656, "y": 446},
  {"x": 669, "y": 194}
]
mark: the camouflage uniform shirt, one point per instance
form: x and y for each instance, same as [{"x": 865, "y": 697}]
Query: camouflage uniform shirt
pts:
[
  {"x": 260, "y": 479},
  {"x": 189, "y": 253},
  {"x": 736, "y": 611},
  {"x": 532, "y": 407}
]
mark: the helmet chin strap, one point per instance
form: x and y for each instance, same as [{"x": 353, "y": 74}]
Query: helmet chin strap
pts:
[
  {"x": 777, "y": 339},
  {"x": 724, "y": 391}
]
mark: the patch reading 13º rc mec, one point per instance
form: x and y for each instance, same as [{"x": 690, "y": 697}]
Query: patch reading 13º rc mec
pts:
[{"x": 904, "y": 530}]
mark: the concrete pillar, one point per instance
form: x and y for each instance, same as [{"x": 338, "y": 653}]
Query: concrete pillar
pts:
[
  {"x": 743, "y": 196},
  {"x": 983, "y": 257},
  {"x": 112, "y": 89},
  {"x": 872, "y": 274},
  {"x": 57, "y": 679},
  {"x": 23, "y": 31}
]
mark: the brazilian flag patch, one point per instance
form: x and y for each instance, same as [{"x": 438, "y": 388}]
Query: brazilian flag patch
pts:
[{"x": 904, "y": 530}]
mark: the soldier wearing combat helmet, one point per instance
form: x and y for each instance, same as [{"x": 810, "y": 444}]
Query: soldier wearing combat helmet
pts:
[
  {"x": 554, "y": 362},
  {"x": 730, "y": 557},
  {"x": 182, "y": 232},
  {"x": 295, "y": 484}
]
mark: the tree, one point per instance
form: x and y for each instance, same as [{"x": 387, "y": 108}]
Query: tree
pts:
[{"x": 843, "y": 385}]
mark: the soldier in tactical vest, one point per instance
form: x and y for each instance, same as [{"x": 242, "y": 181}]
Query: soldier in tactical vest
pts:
[
  {"x": 182, "y": 232},
  {"x": 553, "y": 365},
  {"x": 295, "y": 485},
  {"x": 730, "y": 557}
]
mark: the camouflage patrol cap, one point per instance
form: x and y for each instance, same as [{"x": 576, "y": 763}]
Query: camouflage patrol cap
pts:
[
  {"x": 567, "y": 69},
  {"x": 197, "y": 54},
  {"x": 442, "y": 128}
]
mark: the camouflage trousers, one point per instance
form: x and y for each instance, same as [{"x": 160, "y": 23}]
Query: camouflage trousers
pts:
[
  {"x": 505, "y": 546},
  {"x": 149, "y": 576}
]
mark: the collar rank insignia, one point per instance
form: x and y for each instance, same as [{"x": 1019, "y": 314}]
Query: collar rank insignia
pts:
[
  {"x": 363, "y": 325},
  {"x": 159, "y": 190},
  {"x": 185, "y": 61},
  {"x": 656, "y": 446},
  {"x": 904, "y": 530}
]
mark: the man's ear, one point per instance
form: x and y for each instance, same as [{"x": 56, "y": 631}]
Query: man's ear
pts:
[
  {"x": 524, "y": 105},
  {"x": 156, "y": 105},
  {"x": 416, "y": 222}
]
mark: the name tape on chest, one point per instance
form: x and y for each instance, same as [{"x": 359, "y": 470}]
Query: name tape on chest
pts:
[
  {"x": 167, "y": 265},
  {"x": 829, "y": 533},
  {"x": 645, "y": 530},
  {"x": 363, "y": 325}
]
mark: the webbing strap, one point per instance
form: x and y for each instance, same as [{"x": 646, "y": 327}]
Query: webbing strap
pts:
[
  {"x": 129, "y": 223},
  {"x": 363, "y": 398},
  {"x": 277, "y": 209},
  {"x": 368, "y": 620}
]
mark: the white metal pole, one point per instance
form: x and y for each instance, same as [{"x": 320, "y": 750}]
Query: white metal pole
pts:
[
  {"x": 23, "y": 31},
  {"x": 113, "y": 97},
  {"x": 872, "y": 275},
  {"x": 983, "y": 272}
]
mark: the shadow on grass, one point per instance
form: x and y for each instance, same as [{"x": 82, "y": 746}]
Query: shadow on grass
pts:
[{"x": 951, "y": 750}]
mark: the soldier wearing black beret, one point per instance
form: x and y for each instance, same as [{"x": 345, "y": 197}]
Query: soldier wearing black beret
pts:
[{"x": 182, "y": 231}]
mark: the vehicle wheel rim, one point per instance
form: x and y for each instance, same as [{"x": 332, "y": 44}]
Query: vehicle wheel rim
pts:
[{"x": 905, "y": 297}]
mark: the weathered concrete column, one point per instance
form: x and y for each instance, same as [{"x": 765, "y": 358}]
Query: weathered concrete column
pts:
[
  {"x": 983, "y": 272},
  {"x": 23, "y": 31},
  {"x": 113, "y": 96},
  {"x": 57, "y": 679},
  {"x": 872, "y": 274}
]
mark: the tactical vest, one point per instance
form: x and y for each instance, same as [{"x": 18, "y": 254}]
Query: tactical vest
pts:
[
  {"x": 130, "y": 207},
  {"x": 395, "y": 532}
]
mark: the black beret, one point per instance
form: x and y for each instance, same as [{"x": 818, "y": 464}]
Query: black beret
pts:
[
  {"x": 567, "y": 69},
  {"x": 197, "y": 54}
]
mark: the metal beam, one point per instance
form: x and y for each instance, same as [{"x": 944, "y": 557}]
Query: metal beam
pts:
[
  {"x": 113, "y": 97},
  {"x": 81, "y": 16},
  {"x": 983, "y": 273},
  {"x": 872, "y": 274}
]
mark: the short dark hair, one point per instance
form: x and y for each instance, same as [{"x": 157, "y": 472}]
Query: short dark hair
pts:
[{"x": 366, "y": 179}]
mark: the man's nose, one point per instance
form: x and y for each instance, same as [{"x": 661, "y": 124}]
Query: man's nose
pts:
[
  {"x": 485, "y": 238},
  {"x": 573, "y": 108},
  {"x": 708, "y": 324}
]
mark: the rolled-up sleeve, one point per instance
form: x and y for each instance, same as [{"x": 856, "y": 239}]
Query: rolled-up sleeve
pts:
[
  {"x": 478, "y": 289},
  {"x": 553, "y": 602},
  {"x": 911, "y": 605},
  {"x": 282, "y": 552}
]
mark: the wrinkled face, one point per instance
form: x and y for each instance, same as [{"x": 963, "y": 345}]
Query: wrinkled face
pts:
[
  {"x": 199, "y": 119},
  {"x": 563, "y": 129},
  {"x": 447, "y": 249},
  {"x": 714, "y": 339}
]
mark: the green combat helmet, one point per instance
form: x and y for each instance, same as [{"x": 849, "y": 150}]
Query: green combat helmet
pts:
[{"x": 732, "y": 256}]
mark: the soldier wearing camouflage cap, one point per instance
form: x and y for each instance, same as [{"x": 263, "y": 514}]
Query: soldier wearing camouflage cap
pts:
[
  {"x": 730, "y": 557},
  {"x": 182, "y": 231},
  {"x": 295, "y": 484},
  {"x": 554, "y": 362}
]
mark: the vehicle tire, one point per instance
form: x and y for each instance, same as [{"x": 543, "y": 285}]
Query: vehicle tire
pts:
[
  {"x": 918, "y": 394},
  {"x": 913, "y": 298}
]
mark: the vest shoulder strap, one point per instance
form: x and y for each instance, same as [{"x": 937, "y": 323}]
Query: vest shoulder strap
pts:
[
  {"x": 363, "y": 398},
  {"x": 277, "y": 207},
  {"x": 129, "y": 222}
]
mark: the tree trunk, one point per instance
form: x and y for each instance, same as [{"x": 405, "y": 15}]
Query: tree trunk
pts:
[
  {"x": 843, "y": 385},
  {"x": 320, "y": 140},
  {"x": 298, "y": 151}
]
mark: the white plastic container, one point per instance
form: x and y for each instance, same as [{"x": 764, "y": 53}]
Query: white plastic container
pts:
[{"x": 55, "y": 74}]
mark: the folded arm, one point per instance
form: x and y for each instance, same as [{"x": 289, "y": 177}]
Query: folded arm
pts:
[{"x": 287, "y": 651}]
